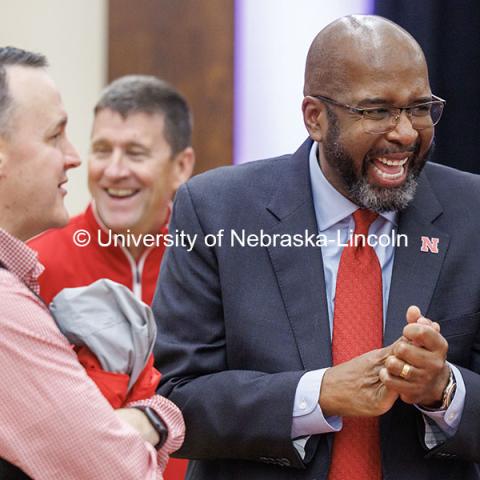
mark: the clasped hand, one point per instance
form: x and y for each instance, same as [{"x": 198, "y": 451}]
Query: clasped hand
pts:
[
  {"x": 424, "y": 350},
  {"x": 368, "y": 385}
]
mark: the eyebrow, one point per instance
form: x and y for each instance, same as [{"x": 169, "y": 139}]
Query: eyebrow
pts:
[
  {"x": 55, "y": 127},
  {"x": 103, "y": 141},
  {"x": 372, "y": 101},
  {"x": 383, "y": 101},
  {"x": 137, "y": 145},
  {"x": 62, "y": 123},
  {"x": 422, "y": 100},
  {"x": 99, "y": 141}
]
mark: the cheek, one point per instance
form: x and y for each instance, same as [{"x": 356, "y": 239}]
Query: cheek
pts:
[
  {"x": 426, "y": 139},
  {"x": 152, "y": 177},
  {"x": 95, "y": 172},
  {"x": 51, "y": 168},
  {"x": 358, "y": 145},
  {"x": 141, "y": 178},
  {"x": 157, "y": 191}
]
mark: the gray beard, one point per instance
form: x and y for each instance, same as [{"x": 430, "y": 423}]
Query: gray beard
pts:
[
  {"x": 383, "y": 199},
  {"x": 359, "y": 191}
]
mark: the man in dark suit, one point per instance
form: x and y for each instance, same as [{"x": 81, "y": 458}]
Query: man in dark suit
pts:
[{"x": 271, "y": 328}]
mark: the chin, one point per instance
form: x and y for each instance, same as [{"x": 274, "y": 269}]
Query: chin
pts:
[
  {"x": 118, "y": 226},
  {"x": 58, "y": 224},
  {"x": 115, "y": 221},
  {"x": 60, "y": 220}
]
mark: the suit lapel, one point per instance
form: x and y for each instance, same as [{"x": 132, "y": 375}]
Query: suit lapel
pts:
[
  {"x": 299, "y": 270},
  {"x": 415, "y": 272}
]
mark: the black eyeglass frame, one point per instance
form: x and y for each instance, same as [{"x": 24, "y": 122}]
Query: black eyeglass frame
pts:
[{"x": 361, "y": 111}]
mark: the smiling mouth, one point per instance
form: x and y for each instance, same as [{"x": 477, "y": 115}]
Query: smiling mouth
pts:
[
  {"x": 388, "y": 168},
  {"x": 121, "y": 192}
]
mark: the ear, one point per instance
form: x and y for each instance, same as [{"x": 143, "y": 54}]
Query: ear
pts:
[
  {"x": 315, "y": 118},
  {"x": 184, "y": 163}
]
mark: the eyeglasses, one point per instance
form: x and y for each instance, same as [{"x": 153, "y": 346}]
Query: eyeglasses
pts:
[{"x": 384, "y": 119}]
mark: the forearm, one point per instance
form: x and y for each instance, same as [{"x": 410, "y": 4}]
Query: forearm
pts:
[
  {"x": 139, "y": 421},
  {"x": 57, "y": 424},
  {"x": 173, "y": 420},
  {"x": 239, "y": 414}
]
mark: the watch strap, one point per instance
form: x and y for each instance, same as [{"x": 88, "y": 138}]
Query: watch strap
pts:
[{"x": 156, "y": 422}]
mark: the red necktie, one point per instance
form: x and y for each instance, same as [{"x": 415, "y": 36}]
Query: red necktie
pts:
[{"x": 357, "y": 329}]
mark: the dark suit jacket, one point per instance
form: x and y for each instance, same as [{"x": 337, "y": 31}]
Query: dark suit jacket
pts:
[{"x": 238, "y": 327}]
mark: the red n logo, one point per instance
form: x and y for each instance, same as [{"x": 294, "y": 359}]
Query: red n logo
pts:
[{"x": 429, "y": 244}]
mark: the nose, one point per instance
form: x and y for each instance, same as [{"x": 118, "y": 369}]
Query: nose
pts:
[
  {"x": 116, "y": 167},
  {"x": 72, "y": 159},
  {"x": 403, "y": 133}
]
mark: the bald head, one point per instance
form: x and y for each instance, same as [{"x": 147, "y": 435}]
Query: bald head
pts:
[{"x": 349, "y": 44}]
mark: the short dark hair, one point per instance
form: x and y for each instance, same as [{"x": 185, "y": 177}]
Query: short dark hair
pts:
[
  {"x": 14, "y": 56},
  {"x": 149, "y": 94}
]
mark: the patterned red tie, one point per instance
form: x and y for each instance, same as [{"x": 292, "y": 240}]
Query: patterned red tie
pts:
[{"x": 357, "y": 328}]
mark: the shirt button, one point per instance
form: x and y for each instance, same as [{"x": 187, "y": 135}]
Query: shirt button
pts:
[{"x": 303, "y": 405}]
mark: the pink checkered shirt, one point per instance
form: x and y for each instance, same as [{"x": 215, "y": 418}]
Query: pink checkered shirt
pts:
[{"x": 54, "y": 422}]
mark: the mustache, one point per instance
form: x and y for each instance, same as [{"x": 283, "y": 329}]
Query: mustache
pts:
[{"x": 386, "y": 151}]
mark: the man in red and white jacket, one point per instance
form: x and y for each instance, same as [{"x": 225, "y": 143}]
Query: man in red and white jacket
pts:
[{"x": 68, "y": 265}]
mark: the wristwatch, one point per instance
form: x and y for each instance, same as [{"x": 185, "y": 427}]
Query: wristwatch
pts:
[
  {"x": 447, "y": 395},
  {"x": 449, "y": 392},
  {"x": 156, "y": 422}
]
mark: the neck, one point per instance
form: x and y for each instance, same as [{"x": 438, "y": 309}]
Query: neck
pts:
[
  {"x": 17, "y": 231},
  {"x": 137, "y": 248},
  {"x": 136, "y": 252}
]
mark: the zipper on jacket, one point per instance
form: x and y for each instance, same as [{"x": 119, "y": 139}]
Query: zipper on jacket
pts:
[{"x": 137, "y": 270}]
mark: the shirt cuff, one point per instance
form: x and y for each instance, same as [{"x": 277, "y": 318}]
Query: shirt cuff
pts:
[
  {"x": 449, "y": 419},
  {"x": 173, "y": 419},
  {"x": 308, "y": 417}
]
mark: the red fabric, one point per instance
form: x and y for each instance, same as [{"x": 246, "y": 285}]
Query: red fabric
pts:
[
  {"x": 114, "y": 386},
  {"x": 357, "y": 329},
  {"x": 69, "y": 266},
  {"x": 146, "y": 384}
]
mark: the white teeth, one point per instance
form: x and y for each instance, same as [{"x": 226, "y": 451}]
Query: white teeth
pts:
[
  {"x": 120, "y": 192},
  {"x": 389, "y": 176},
  {"x": 393, "y": 163}
]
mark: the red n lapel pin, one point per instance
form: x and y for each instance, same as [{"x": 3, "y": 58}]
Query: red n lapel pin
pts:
[{"x": 429, "y": 245}]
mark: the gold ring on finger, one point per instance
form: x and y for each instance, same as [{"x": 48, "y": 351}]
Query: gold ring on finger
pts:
[{"x": 405, "y": 371}]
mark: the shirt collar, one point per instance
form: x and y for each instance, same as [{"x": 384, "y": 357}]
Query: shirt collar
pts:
[
  {"x": 20, "y": 260},
  {"x": 330, "y": 205}
]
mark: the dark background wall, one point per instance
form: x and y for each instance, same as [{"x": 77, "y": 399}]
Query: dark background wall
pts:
[
  {"x": 189, "y": 43},
  {"x": 449, "y": 33}
]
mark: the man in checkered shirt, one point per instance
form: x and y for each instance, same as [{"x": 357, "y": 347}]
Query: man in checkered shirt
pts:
[{"x": 55, "y": 423}]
